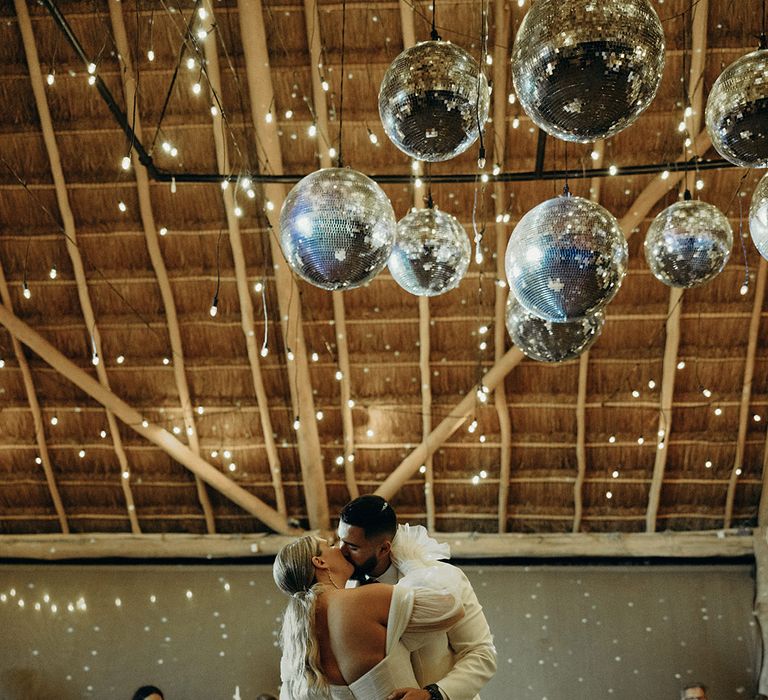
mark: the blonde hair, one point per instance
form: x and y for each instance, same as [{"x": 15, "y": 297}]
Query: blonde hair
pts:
[{"x": 294, "y": 574}]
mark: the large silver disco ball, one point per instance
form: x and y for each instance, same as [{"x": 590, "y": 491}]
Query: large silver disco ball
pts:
[
  {"x": 566, "y": 259},
  {"x": 586, "y": 69},
  {"x": 429, "y": 102},
  {"x": 737, "y": 111},
  {"x": 547, "y": 341},
  {"x": 337, "y": 228},
  {"x": 431, "y": 253},
  {"x": 688, "y": 244},
  {"x": 758, "y": 217}
]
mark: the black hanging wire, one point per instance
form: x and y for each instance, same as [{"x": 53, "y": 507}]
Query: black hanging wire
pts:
[
  {"x": 764, "y": 34},
  {"x": 434, "y": 35},
  {"x": 340, "y": 162},
  {"x": 480, "y": 77},
  {"x": 428, "y": 175}
]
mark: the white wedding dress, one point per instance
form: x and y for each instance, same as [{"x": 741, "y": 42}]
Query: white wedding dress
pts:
[
  {"x": 425, "y": 602},
  {"x": 421, "y": 606}
]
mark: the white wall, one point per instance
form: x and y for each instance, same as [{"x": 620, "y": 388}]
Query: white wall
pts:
[{"x": 563, "y": 633}]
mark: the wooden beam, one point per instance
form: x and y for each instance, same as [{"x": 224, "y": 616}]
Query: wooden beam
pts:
[
  {"x": 70, "y": 235},
  {"x": 502, "y": 22},
  {"x": 408, "y": 30},
  {"x": 746, "y": 390},
  {"x": 129, "y": 83},
  {"x": 261, "y": 96},
  {"x": 134, "y": 420},
  {"x": 672, "y": 342},
  {"x": 464, "y": 545},
  {"x": 247, "y": 322},
  {"x": 37, "y": 416},
  {"x": 426, "y": 409},
  {"x": 657, "y": 188},
  {"x": 410, "y": 465},
  {"x": 312, "y": 22},
  {"x": 581, "y": 450}
]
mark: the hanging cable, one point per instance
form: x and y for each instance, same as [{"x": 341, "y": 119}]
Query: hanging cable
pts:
[
  {"x": 340, "y": 162},
  {"x": 434, "y": 35}
]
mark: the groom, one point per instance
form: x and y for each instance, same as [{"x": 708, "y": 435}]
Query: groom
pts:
[{"x": 457, "y": 664}]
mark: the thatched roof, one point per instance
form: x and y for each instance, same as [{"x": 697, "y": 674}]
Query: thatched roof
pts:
[{"x": 552, "y": 446}]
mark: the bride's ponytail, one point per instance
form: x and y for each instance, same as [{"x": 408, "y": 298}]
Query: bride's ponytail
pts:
[{"x": 294, "y": 574}]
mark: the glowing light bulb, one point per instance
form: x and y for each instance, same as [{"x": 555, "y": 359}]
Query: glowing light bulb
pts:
[
  {"x": 144, "y": 424},
  {"x": 91, "y": 80},
  {"x": 268, "y": 117},
  {"x": 150, "y": 55},
  {"x": 91, "y": 68},
  {"x": 744, "y": 289},
  {"x": 613, "y": 170},
  {"x": 515, "y": 122},
  {"x": 214, "y": 309},
  {"x": 315, "y": 357},
  {"x": 120, "y": 359},
  {"x": 331, "y": 152},
  {"x": 594, "y": 155},
  {"x": 296, "y": 424},
  {"x": 27, "y": 293},
  {"x": 707, "y": 393},
  {"x": 103, "y": 434},
  {"x": 351, "y": 403},
  {"x": 612, "y": 439},
  {"x": 50, "y": 79},
  {"x": 190, "y": 63},
  {"x": 122, "y": 206},
  {"x": 324, "y": 84},
  {"x": 264, "y": 351},
  {"x": 125, "y": 163},
  {"x": 54, "y": 420},
  {"x": 708, "y": 464},
  {"x": 312, "y": 130},
  {"x": 373, "y": 138},
  {"x": 214, "y": 111},
  {"x": 238, "y": 211},
  {"x": 339, "y": 375},
  {"x": 197, "y": 88},
  {"x": 681, "y": 364},
  {"x": 319, "y": 415},
  {"x": 52, "y": 274},
  {"x": 258, "y": 287}
]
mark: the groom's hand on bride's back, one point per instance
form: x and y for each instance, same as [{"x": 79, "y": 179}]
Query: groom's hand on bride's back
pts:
[{"x": 409, "y": 694}]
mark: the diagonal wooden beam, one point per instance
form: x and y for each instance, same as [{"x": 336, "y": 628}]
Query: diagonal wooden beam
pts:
[
  {"x": 37, "y": 416},
  {"x": 134, "y": 420},
  {"x": 261, "y": 95},
  {"x": 672, "y": 342},
  {"x": 70, "y": 234},
  {"x": 247, "y": 321},
  {"x": 502, "y": 22},
  {"x": 156, "y": 255},
  {"x": 458, "y": 414},
  {"x": 312, "y": 21},
  {"x": 746, "y": 390}
]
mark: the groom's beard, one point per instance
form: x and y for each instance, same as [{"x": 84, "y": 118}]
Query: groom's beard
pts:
[{"x": 362, "y": 570}]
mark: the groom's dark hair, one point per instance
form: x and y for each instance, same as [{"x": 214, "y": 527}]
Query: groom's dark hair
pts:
[{"x": 373, "y": 514}]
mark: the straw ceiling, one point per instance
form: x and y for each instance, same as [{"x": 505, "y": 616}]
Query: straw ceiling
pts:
[{"x": 143, "y": 441}]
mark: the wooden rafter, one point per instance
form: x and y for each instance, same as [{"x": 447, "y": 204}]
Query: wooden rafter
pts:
[
  {"x": 704, "y": 544},
  {"x": 502, "y": 21},
  {"x": 408, "y": 30},
  {"x": 247, "y": 321},
  {"x": 312, "y": 21},
  {"x": 672, "y": 341},
  {"x": 410, "y": 465},
  {"x": 70, "y": 234},
  {"x": 37, "y": 416},
  {"x": 261, "y": 96},
  {"x": 746, "y": 391},
  {"x": 156, "y": 255},
  {"x": 134, "y": 420}
]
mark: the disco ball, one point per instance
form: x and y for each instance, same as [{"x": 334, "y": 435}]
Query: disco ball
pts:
[
  {"x": 429, "y": 103},
  {"x": 547, "y": 341},
  {"x": 758, "y": 217},
  {"x": 431, "y": 253},
  {"x": 586, "y": 69},
  {"x": 337, "y": 228},
  {"x": 566, "y": 259},
  {"x": 688, "y": 244},
  {"x": 737, "y": 111}
]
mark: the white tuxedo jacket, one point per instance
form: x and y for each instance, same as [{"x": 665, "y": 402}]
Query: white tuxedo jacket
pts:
[{"x": 462, "y": 660}]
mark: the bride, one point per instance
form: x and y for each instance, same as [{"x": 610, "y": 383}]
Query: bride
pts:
[{"x": 354, "y": 643}]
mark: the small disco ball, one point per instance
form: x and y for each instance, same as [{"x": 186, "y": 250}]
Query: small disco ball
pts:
[
  {"x": 758, "y": 217},
  {"x": 337, "y": 228},
  {"x": 547, "y": 341},
  {"x": 737, "y": 110},
  {"x": 586, "y": 69},
  {"x": 688, "y": 244},
  {"x": 431, "y": 253},
  {"x": 428, "y": 101},
  {"x": 566, "y": 259}
]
